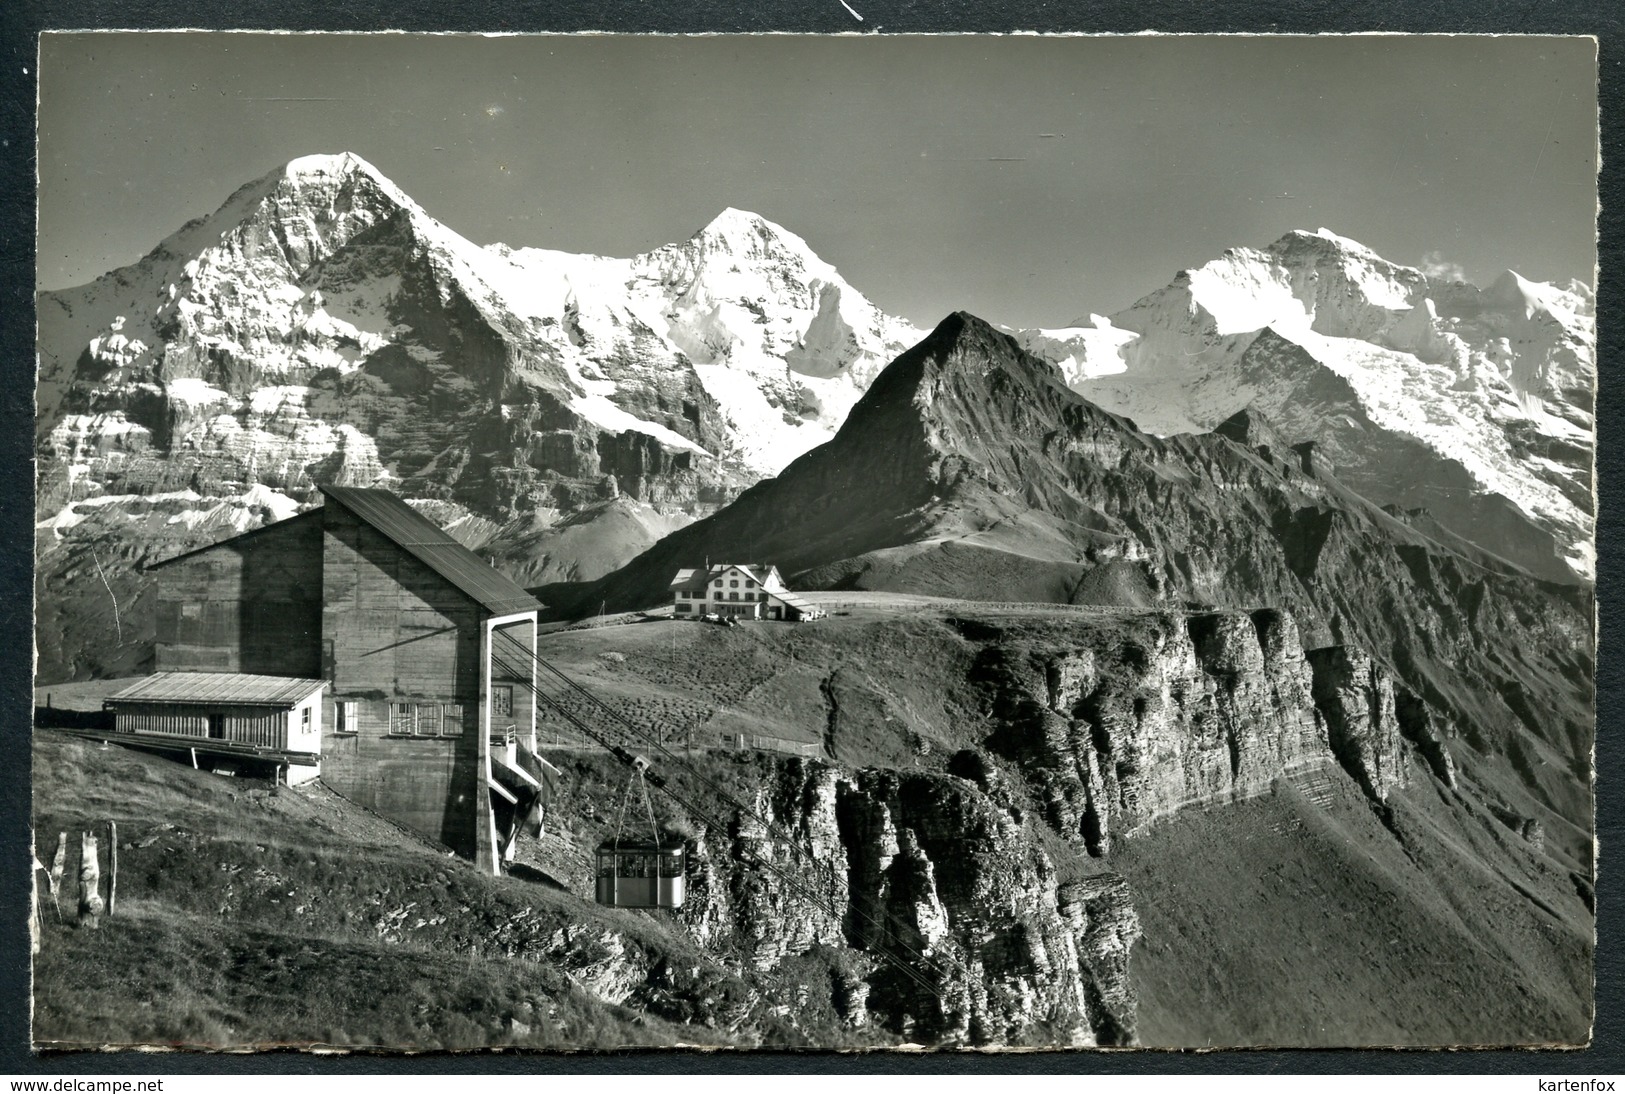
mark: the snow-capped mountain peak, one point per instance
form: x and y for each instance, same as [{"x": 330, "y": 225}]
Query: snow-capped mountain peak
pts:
[
  {"x": 1380, "y": 363},
  {"x": 741, "y": 231},
  {"x": 321, "y": 326},
  {"x": 319, "y": 165}
]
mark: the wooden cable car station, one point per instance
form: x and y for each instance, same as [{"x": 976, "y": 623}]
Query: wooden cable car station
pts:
[{"x": 391, "y": 624}]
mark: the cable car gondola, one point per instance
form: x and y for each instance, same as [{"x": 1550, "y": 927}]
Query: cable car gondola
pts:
[
  {"x": 640, "y": 874},
  {"x": 636, "y": 873}
]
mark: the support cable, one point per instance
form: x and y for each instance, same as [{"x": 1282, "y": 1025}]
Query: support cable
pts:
[{"x": 796, "y": 884}]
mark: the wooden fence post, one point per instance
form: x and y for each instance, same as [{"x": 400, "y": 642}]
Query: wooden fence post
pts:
[
  {"x": 36, "y": 921},
  {"x": 59, "y": 868},
  {"x": 90, "y": 896},
  {"x": 112, "y": 866}
]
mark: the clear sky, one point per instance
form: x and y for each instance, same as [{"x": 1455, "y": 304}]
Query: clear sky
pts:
[{"x": 1028, "y": 180}]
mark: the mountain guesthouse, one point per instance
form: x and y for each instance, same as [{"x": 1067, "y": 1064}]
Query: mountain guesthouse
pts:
[{"x": 738, "y": 591}]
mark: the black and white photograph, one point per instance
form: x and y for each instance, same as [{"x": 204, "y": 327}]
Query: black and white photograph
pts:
[{"x": 562, "y": 543}]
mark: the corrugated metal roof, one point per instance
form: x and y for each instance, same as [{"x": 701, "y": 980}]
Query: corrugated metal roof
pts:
[
  {"x": 794, "y": 601},
  {"x": 218, "y": 688},
  {"x": 429, "y": 544}
]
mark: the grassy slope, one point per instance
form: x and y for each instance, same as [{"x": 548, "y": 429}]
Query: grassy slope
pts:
[
  {"x": 247, "y": 918},
  {"x": 1279, "y": 921},
  {"x": 898, "y": 667}
]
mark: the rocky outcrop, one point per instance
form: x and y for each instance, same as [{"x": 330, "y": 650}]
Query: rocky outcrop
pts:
[
  {"x": 1357, "y": 698},
  {"x": 1204, "y": 708},
  {"x": 951, "y": 902},
  {"x": 1428, "y": 730},
  {"x": 1101, "y": 912}
]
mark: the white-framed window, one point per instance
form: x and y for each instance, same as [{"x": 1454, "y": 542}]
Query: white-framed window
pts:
[
  {"x": 428, "y": 719},
  {"x": 451, "y": 719},
  {"x": 304, "y": 720},
  {"x": 345, "y": 717},
  {"x": 402, "y": 718}
]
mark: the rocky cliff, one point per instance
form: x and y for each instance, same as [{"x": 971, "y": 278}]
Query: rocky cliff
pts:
[
  {"x": 969, "y": 469},
  {"x": 960, "y": 930},
  {"x": 965, "y": 890}
]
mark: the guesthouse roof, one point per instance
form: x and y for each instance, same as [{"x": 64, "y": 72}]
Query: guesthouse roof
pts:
[{"x": 698, "y": 577}]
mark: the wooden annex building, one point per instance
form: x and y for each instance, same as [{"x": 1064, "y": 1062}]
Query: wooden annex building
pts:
[
  {"x": 425, "y": 653},
  {"x": 265, "y": 719}
]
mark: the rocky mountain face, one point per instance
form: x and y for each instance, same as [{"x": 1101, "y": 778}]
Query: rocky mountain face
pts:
[
  {"x": 970, "y": 469},
  {"x": 322, "y": 328},
  {"x": 929, "y": 870},
  {"x": 1424, "y": 393},
  {"x": 990, "y": 883},
  {"x": 1330, "y": 653}
]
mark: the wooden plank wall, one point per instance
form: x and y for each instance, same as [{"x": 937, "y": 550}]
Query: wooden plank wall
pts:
[
  {"x": 395, "y": 631},
  {"x": 245, "y": 724},
  {"x": 246, "y": 605}
]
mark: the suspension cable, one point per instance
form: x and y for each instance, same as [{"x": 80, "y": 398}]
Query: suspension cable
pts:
[
  {"x": 798, "y": 844},
  {"x": 794, "y": 883}
]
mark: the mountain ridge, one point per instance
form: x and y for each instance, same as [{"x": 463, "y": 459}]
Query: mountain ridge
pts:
[
  {"x": 969, "y": 469},
  {"x": 1485, "y": 395},
  {"x": 320, "y": 327}
]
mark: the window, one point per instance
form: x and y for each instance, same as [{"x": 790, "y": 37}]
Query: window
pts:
[
  {"x": 451, "y": 719},
  {"x": 304, "y": 720},
  {"x": 682, "y": 607},
  {"x": 733, "y": 596},
  {"x": 717, "y": 584},
  {"x": 345, "y": 719},
  {"x": 401, "y": 718},
  {"x": 733, "y": 584},
  {"x": 502, "y": 700},
  {"x": 750, "y": 584},
  {"x": 721, "y": 595},
  {"x": 428, "y": 719}
]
